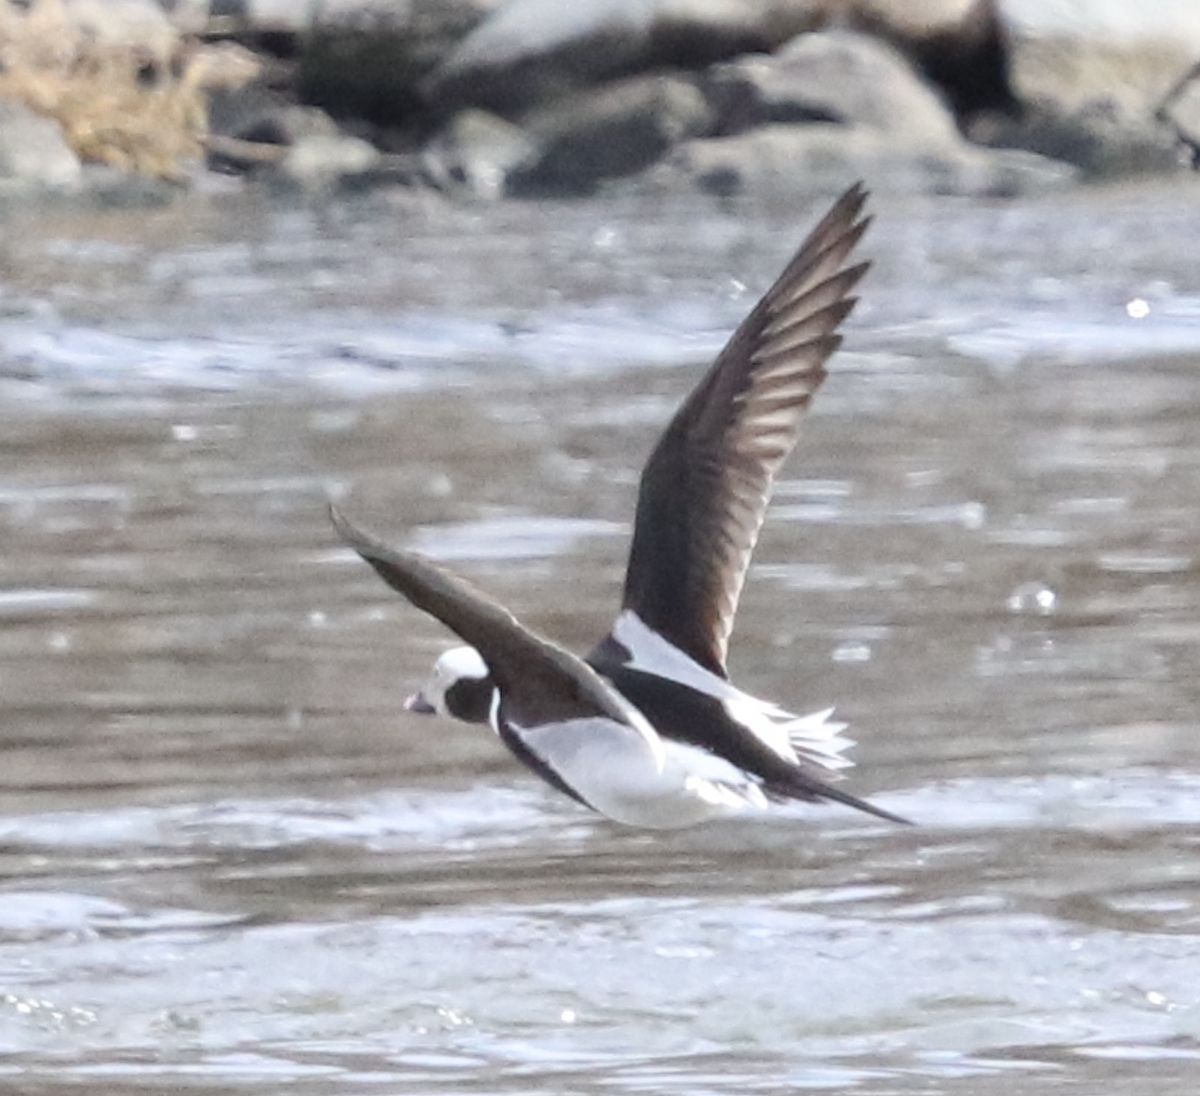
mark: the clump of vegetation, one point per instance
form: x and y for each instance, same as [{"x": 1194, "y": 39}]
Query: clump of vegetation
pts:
[{"x": 138, "y": 106}]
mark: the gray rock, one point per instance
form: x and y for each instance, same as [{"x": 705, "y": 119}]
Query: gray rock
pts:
[
  {"x": 958, "y": 44},
  {"x": 1093, "y": 75},
  {"x": 533, "y": 51},
  {"x": 778, "y": 162},
  {"x": 1105, "y": 137},
  {"x": 367, "y": 58},
  {"x": 33, "y": 152},
  {"x": 836, "y": 106},
  {"x": 834, "y": 76},
  {"x": 1076, "y": 51},
  {"x": 1181, "y": 110},
  {"x": 610, "y": 132},
  {"x": 302, "y": 17}
]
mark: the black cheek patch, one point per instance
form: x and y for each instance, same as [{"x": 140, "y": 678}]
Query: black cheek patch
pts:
[{"x": 470, "y": 699}]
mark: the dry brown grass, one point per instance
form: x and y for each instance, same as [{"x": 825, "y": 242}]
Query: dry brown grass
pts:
[{"x": 139, "y": 107}]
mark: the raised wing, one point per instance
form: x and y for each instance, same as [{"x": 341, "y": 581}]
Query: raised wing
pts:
[
  {"x": 540, "y": 681},
  {"x": 705, "y": 489}
]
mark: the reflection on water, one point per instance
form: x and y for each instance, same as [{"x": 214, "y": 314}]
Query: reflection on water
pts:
[{"x": 229, "y": 861}]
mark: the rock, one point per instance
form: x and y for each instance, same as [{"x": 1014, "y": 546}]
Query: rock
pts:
[
  {"x": 293, "y": 19},
  {"x": 958, "y": 44},
  {"x": 33, "y": 151},
  {"x": 366, "y": 59},
  {"x": 533, "y": 51},
  {"x": 478, "y": 151},
  {"x": 1105, "y": 137},
  {"x": 1093, "y": 75},
  {"x": 836, "y": 106},
  {"x": 833, "y": 76},
  {"x": 778, "y": 162},
  {"x": 1074, "y": 52},
  {"x": 1181, "y": 110},
  {"x": 610, "y": 132}
]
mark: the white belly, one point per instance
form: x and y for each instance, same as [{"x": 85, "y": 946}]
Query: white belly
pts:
[{"x": 640, "y": 780}]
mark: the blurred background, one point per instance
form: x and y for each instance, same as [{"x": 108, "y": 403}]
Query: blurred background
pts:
[{"x": 454, "y": 266}]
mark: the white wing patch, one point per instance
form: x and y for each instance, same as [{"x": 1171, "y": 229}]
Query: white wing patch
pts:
[{"x": 814, "y": 737}]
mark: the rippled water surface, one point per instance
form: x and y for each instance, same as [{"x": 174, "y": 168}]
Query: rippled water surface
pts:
[{"x": 230, "y": 863}]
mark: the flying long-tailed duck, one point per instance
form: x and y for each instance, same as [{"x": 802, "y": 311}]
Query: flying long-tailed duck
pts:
[{"x": 648, "y": 729}]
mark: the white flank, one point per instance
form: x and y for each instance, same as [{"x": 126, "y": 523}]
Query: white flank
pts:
[
  {"x": 814, "y": 737},
  {"x": 619, "y": 773}
]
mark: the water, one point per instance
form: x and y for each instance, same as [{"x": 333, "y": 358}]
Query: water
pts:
[{"x": 230, "y": 863}]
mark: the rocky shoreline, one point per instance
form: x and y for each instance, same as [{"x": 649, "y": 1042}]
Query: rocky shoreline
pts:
[{"x": 522, "y": 98}]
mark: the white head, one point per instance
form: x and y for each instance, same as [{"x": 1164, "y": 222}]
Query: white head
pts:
[{"x": 459, "y": 688}]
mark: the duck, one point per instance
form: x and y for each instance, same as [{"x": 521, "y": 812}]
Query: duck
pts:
[{"x": 647, "y": 729}]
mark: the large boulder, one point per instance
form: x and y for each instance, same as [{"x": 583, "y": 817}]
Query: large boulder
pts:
[
  {"x": 1074, "y": 52},
  {"x": 1093, "y": 77},
  {"x": 530, "y": 52},
  {"x": 834, "y": 76},
  {"x": 836, "y": 106}
]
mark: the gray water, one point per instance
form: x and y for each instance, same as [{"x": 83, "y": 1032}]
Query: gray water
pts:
[{"x": 230, "y": 863}]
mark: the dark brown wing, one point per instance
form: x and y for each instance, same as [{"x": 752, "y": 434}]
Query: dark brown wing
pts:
[
  {"x": 541, "y": 681},
  {"x": 705, "y": 489}
]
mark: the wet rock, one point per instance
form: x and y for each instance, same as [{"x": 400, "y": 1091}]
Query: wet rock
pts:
[
  {"x": 33, "y": 151},
  {"x": 1093, "y": 75},
  {"x": 610, "y": 132}
]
